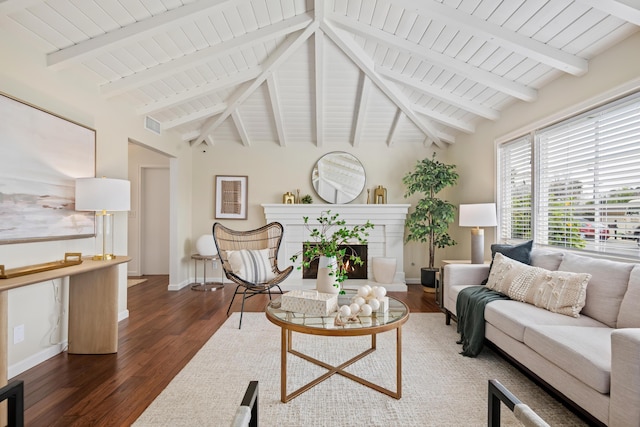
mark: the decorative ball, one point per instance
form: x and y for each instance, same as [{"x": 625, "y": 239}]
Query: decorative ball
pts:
[
  {"x": 374, "y": 304},
  {"x": 206, "y": 246},
  {"x": 359, "y": 301},
  {"x": 355, "y": 308},
  {"x": 380, "y": 292},
  {"x": 366, "y": 310},
  {"x": 345, "y": 310},
  {"x": 363, "y": 291}
]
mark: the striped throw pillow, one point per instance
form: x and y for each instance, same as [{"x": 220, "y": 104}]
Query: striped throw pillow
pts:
[{"x": 251, "y": 265}]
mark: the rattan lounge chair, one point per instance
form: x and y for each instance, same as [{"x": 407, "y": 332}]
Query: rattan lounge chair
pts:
[{"x": 267, "y": 237}]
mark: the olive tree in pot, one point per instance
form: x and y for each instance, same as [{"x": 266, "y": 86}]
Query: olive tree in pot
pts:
[{"x": 429, "y": 222}]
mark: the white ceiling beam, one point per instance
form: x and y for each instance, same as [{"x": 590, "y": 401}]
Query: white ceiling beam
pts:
[
  {"x": 189, "y": 136},
  {"x": 445, "y": 120},
  {"x": 319, "y": 80},
  {"x": 397, "y": 119},
  {"x": 497, "y": 35},
  {"x": 206, "y": 55},
  {"x": 365, "y": 90},
  {"x": 11, "y": 6},
  {"x": 242, "y": 130},
  {"x": 200, "y": 91},
  {"x": 194, "y": 117},
  {"x": 447, "y": 137},
  {"x": 627, "y": 10},
  {"x": 134, "y": 32},
  {"x": 440, "y": 60},
  {"x": 442, "y": 95},
  {"x": 282, "y": 53},
  {"x": 353, "y": 51},
  {"x": 274, "y": 96}
]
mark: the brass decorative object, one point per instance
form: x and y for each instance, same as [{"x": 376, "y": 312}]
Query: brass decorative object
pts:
[
  {"x": 380, "y": 195},
  {"x": 70, "y": 258},
  {"x": 288, "y": 198}
]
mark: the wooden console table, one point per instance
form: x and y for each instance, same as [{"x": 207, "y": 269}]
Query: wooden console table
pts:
[{"x": 93, "y": 306}]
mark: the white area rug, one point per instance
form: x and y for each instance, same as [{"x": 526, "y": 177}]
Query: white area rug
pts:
[{"x": 440, "y": 387}]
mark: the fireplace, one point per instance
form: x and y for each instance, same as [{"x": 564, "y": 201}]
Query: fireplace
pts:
[
  {"x": 385, "y": 240},
  {"x": 353, "y": 271}
]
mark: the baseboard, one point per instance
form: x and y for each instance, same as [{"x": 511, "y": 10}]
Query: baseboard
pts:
[
  {"x": 178, "y": 286},
  {"x": 413, "y": 281},
  {"x": 123, "y": 314},
  {"x": 36, "y": 359}
]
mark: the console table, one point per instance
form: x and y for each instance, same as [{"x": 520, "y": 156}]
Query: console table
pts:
[{"x": 93, "y": 306}]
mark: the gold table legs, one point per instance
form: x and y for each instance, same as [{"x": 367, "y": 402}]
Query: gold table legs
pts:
[{"x": 286, "y": 347}]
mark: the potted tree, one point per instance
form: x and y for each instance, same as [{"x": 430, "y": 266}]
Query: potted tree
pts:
[
  {"x": 430, "y": 220},
  {"x": 329, "y": 245}
]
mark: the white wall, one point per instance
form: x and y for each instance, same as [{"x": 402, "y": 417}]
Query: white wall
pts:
[
  {"x": 23, "y": 75},
  {"x": 273, "y": 171},
  {"x": 609, "y": 73}
]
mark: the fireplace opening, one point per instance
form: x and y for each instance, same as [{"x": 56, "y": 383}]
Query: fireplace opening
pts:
[{"x": 353, "y": 271}]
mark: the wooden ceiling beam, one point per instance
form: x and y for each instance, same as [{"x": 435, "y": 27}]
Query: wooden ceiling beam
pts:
[
  {"x": 206, "y": 55},
  {"x": 134, "y": 32},
  {"x": 440, "y": 60},
  {"x": 353, "y": 51},
  {"x": 627, "y": 10},
  {"x": 497, "y": 35}
]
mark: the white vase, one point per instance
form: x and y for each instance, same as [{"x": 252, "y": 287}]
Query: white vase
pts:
[
  {"x": 327, "y": 274},
  {"x": 384, "y": 269}
]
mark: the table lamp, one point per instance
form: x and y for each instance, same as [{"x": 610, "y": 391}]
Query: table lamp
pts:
[
  {"x": 478, "y": 215},
  {"x": 104, "y": 196}
]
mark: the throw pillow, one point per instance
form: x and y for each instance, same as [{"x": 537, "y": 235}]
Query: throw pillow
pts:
[
  {"x": 253, "y": 266},
  {"x": 560, "y": 292},
  {"x": 521, "y": 253}
]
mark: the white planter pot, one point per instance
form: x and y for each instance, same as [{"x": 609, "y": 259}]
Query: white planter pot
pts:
[
  {"x": 327, "y": 268},
  {"x": 383, "y": 269}
]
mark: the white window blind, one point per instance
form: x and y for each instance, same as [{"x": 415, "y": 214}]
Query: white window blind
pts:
[
  {"x": 515, "y": 189},
  {"x": 586, "y": 180}
]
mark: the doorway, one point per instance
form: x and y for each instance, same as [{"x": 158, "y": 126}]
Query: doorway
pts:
[{"x": 154, "y": 224}]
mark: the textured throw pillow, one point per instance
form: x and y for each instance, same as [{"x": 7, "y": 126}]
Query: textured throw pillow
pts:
[
  {"x": 521, "y": 253},
  {"x": 251, "y": 265},
  {"x": 561, "y": 292}
]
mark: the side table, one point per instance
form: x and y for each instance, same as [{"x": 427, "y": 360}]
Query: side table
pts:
[{"x": 205, "y": 286}]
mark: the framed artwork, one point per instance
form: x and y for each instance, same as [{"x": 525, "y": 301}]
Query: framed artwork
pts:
[
  {"x": 42, "y": 155},
  {"x": 231, "y": 197}
]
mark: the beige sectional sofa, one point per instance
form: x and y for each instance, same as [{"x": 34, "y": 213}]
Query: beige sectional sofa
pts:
[{"x": 592, "y": 360}]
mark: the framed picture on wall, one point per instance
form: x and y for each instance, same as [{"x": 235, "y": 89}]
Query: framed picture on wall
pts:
[
  {"x": 42, "y": 155},
  {"x": 231, "y": 197}
]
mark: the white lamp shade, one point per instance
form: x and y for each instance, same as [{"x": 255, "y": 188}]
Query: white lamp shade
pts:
[
  {"x": 206, "y": 246},
  {"x": 478, "y": 215},
  {"x": 103, "y": 194}
]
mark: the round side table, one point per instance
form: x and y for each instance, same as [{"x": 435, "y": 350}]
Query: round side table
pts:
[{"x": 204, "y": 286}]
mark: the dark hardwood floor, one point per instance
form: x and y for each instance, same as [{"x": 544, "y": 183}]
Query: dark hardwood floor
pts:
[{"x": 163, "y": 332}]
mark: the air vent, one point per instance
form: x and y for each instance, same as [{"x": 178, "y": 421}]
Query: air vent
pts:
[{"x": 152, "y": 124}]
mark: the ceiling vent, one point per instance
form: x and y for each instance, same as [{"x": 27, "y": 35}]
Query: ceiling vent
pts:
[{"x": 152, "y": 124}]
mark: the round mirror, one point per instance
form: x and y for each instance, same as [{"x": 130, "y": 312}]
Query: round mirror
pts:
[{"x": 338, "y": 177}]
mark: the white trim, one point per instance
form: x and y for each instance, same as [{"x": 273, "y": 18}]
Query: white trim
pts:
[
  {"x": 36, "y": 359},
  {"x": 573, "y": 110}
]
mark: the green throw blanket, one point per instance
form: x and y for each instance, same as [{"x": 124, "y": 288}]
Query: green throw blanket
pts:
[{"x": 470, "y": 311}]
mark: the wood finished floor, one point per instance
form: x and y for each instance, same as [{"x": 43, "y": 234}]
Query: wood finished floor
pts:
[{"x": 164, "y": 331}]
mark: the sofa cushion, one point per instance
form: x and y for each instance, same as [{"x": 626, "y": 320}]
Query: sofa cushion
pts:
[
  {"x": 253, "y": 266},
  {"x": 543, "y": 258},
  {"x": 513, "y": 317},
  {"x": 521, "y": 253},
  {"x": 629, "y": 315},
  {"x": 607, "y": 285},
  {"x": 557, "y": 291},
  {"x": 584, "y": 352}
]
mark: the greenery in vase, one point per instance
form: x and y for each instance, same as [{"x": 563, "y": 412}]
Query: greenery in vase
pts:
[
  {"x": 307, "y": 199},
  {"x": 430, "y": 220},
  {"x": 331, "y": 238}
]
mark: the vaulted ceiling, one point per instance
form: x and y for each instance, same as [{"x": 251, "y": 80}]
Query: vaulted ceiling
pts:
[{"x": 324, "y": 72}]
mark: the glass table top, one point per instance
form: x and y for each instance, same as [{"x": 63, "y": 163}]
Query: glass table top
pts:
[{"x": 394, "y": 317}]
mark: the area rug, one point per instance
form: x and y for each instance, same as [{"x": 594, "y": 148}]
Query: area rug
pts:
[
  {"x": 440, "y": 387},
  {"x": 133, "y": 282}
]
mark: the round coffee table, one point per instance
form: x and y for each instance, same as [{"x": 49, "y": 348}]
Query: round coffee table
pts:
[{"x": 289, "y": 322}]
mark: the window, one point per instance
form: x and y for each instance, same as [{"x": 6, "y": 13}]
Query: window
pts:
[{"x": 576, "y": 184}]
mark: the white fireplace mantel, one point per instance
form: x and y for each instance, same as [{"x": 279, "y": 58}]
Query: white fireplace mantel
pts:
[{"x": 386, "y": 239}]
